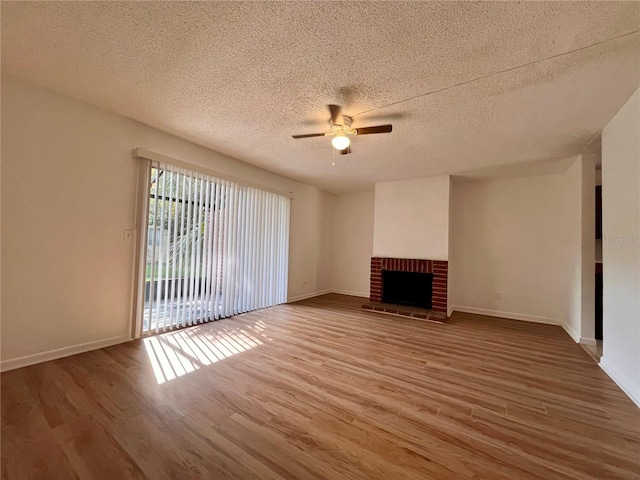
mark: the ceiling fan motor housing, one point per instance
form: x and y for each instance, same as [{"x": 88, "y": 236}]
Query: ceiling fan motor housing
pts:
[{"x": 340, "y": 131}]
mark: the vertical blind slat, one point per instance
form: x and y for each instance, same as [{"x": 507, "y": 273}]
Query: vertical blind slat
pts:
[
  {"x": 207, "y": 249},
  {"x": 172, "y": 297},
  {"x": 232, "y": 255},
  {"x": 160, "y": 190},
  {"x": 193, "y": 247},
  {"x": 199, "y": 254},
  {"x": 214, "y": 253},
  {"x": 184, "y": 244},
  {"x": 181, "y": 250},
  {"x": 226, "y": 266},
  {"x": 219, "y": 264},
  {"x": 154, "y": 202}
]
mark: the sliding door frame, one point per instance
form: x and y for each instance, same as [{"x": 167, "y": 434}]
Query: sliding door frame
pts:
[
  {"x": 145, "y": 159},
  {"x": 141, "y": 237}
]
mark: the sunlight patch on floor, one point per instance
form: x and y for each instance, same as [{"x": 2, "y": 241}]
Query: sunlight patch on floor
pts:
[{"x": 178, "y": 353}]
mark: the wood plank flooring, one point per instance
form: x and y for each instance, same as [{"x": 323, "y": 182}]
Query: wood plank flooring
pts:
[{"x": 321, "y": 389}]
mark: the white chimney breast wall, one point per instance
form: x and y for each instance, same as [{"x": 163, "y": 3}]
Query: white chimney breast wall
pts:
[{"x": 411, "y": 219}]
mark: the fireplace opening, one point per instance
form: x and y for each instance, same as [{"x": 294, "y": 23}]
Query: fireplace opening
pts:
[{"x": 407, "y": 288}]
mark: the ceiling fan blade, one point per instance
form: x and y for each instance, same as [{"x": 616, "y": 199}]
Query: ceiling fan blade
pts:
[
  {"x": 309, "y": 135},
  {"x": 378, "y": 129},
  {"x": 346, "y": 151},
  {"x": 335, "y": 114}
]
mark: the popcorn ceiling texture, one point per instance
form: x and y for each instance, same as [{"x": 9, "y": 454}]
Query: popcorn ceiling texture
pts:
[{"x": 241, "y": 78}]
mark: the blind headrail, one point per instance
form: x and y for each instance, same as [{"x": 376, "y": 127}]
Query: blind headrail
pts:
[{"x": 159, "y": 157}]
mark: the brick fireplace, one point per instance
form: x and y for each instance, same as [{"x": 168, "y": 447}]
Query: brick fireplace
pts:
[{"x": 438, "y": 268}]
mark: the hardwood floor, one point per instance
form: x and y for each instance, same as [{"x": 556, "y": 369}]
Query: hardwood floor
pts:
[{"x": 321, "y": 389}]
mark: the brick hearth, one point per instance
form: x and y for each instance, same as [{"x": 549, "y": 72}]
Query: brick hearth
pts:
[{"x": 439, "y": 268}]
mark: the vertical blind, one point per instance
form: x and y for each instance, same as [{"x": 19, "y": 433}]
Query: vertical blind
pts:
[{"x": 215, "y": 249}]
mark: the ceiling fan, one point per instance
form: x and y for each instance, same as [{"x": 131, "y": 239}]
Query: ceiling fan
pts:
[{"x": 341, "y": 128}]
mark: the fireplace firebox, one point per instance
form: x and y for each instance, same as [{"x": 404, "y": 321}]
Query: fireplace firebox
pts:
[
  {"x": 407, "y": 288},
  {"x": 438, "y": 268}
]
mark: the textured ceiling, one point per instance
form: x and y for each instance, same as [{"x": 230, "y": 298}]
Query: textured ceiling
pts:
[{"x": 466, "y": 85}]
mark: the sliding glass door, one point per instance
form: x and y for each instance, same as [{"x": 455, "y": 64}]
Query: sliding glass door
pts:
[{"x": 214, "y": 249}]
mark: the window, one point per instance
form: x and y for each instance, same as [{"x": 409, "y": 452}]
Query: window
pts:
[{"x": 214, "y": 249}]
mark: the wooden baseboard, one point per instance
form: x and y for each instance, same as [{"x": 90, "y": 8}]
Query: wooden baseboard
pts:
[
  {"x": 19, "y": 362},
  {"x": 623, "y": 382},
  {"x": 297, "y": 298},
  {"x": 575, "y": 336},
  {"x": 509, "y": 315},
  {"x": 351, "y": 293}
]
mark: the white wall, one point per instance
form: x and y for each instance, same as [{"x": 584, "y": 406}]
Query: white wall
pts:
[
  {"x": 621, "y": 247},
  {"x": 411, "y": 219},
  {"x": 69, "y": 191},
  {"x": 352, "y": 243},
  {"x": 520, "y": 238}
]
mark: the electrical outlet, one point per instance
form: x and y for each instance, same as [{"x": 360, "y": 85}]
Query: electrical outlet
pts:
[
  {"x": 499, "y": 295},
  {"x": 127, "y": 236}
]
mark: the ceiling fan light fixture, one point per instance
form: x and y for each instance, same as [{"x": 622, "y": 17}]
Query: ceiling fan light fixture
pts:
[
  {"x": 339, "y": 131},
  {"x": 340, "y": 142}
]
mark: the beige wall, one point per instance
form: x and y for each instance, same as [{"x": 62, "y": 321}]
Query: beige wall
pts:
[
  {"x": 520, "y": 238},
  {"x": 621, "y": 247},
  {"x": 69, "y": 191},
  {"x": 352, "y": 243},
  {"x": 310, "y": 241},
  {"x": 412, "y": 219}
]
